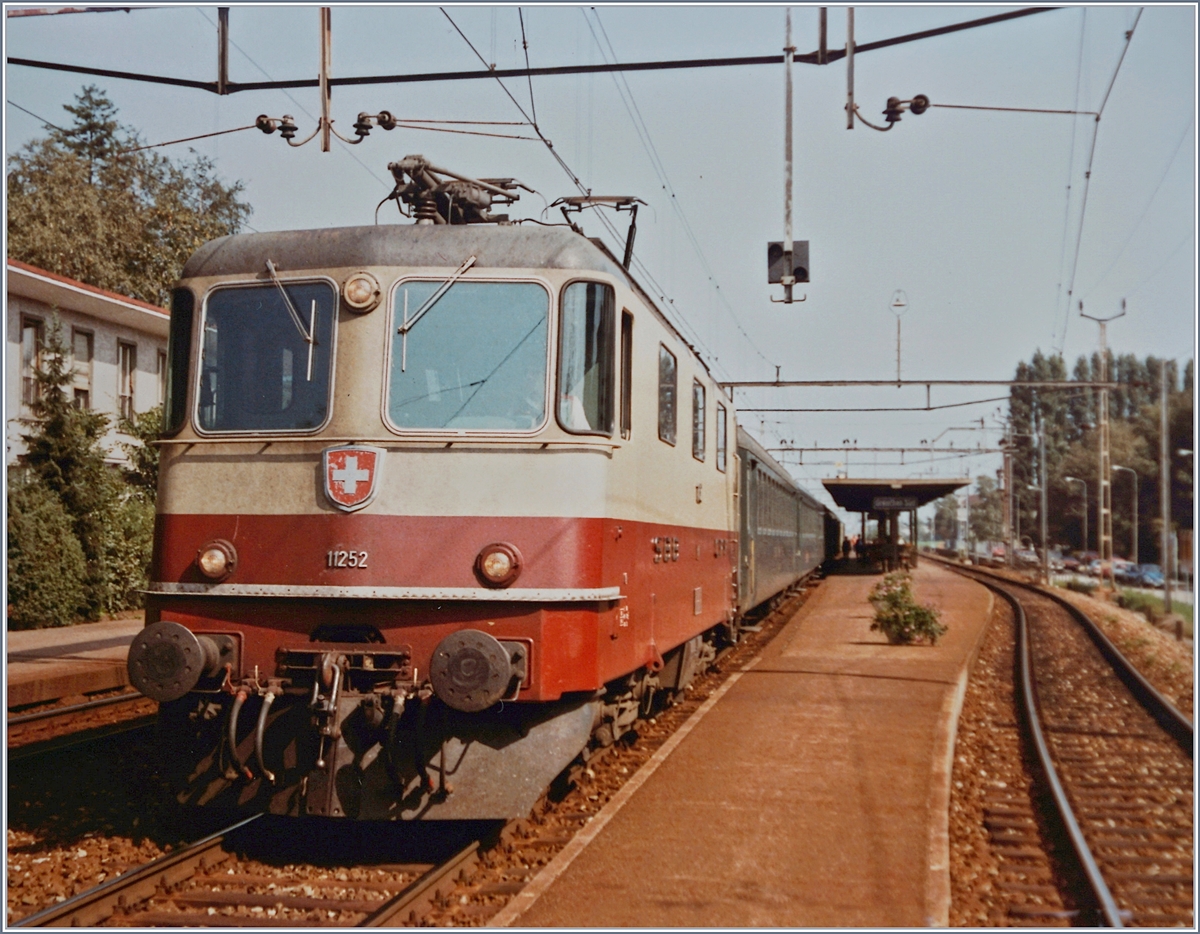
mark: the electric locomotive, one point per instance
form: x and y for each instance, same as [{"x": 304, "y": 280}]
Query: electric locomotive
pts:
[{"x": 441, "y": 505}]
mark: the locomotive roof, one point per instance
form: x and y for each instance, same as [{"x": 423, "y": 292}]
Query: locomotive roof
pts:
[
  {"x": 507, "y": 246},
  {"x": 494, "y": 246}
]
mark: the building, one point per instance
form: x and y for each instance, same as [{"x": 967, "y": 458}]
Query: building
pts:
[{"x": 118, "y": 348}]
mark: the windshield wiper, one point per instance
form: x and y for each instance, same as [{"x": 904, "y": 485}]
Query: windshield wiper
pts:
[
  {"x": 308, "y": 335},
  {"x": 425, "y": 306}
]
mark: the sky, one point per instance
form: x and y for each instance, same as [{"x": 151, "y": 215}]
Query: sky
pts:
[{"x": 975, "y": 215}]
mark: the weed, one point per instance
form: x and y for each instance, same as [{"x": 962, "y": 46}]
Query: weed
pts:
[{"x": 898, "y": 615}]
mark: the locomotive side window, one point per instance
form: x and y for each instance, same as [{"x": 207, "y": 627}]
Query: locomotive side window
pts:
[
  {"x": 585, "y": 358},
  {"x": 668, "y": 390},
  {"x": 179, "y": 354},
  {"x": 626, "y": 374},
  {"x": 266, "y": 360},
  {"x": 699, "y": 416},
  {"x": 721, "y": 442},
  {"x": 474, "y": 360}
]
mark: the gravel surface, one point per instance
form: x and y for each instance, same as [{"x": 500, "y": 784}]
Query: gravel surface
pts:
[
  {"x": 1167, "y": 664},
  {"x": 998, "y": 874}
]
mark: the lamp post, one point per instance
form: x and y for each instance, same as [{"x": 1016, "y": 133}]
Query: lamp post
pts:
[
  {"x": 1085, "y": 514},
  {"x": 1132, "y": 473}
]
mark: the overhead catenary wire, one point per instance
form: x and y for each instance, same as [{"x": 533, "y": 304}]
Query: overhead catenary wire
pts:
[
  {"x": 303, "y": 109},
  {"x": 1087, "y": 175},
  {"x": 643, "y": 132},
  {"x": 1062, "y": 249},
  {"x": 583, "y": 189},
  {"x": 45, "y": 122},
  {"x": 1146, "y": 210}
]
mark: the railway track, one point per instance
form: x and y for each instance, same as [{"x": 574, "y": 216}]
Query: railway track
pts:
[
  {"x": 1117, "y": 758},
  {"x": 208, "y": 884}
]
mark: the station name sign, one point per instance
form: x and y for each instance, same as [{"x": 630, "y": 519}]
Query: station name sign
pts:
[{"x": 893, "y": 503}]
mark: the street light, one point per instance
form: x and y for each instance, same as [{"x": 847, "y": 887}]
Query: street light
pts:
[
  {"x": 1085, "y": 514},
  {"x": 1132, "y": 472}
]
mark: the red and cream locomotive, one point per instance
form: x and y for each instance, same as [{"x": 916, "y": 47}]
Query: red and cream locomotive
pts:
[{"x": 440, "y": 505}]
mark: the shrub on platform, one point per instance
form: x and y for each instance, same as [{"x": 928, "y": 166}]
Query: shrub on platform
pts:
[
  {"x": 898, "y": 615},
  {"x": 46, "y": 566}
]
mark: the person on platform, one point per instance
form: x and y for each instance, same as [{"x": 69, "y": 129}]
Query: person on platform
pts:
[
  {"x": 846, "y": 548},
  {"x": 860, "y": 548}
]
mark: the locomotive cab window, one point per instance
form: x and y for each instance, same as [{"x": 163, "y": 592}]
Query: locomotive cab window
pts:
[
  {"x": 266, "y": 357},
  {"x": 626, "y": 375},
  {"x": 668, "y": 391},
  {"x": 472, "y": 358},
  {"x": 585, "y": 358},
  {"x": 721, "y": 436},
  {"x": 179, "y": 353},
  {"x": 699, "y": 416}
]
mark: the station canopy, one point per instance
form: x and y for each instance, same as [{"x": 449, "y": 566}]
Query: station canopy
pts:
[{"x": 889, "y": 495}]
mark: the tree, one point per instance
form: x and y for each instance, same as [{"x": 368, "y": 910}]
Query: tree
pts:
[
  {"x": 945, "y": 518},
  {"x": 987, "y": 510},
  {"x": 81, "y": 204},
  {"x": 110, "y": 526}
]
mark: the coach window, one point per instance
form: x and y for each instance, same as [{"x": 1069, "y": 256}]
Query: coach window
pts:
[
  {"x": 721, "y": 437},
  {"x": 471, "y": 359},
  {"x": 585, "y": 358},
  {"x": 626, "y": 374},
  {"x": 266, "y": 358},
  {"x": 699, "y": 414},
  {"x": 668, "y": 389},
  {"x": 179, "y": 353}
]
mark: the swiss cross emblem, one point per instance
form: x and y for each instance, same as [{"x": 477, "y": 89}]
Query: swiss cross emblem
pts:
[{"x": 351, "y": 475}]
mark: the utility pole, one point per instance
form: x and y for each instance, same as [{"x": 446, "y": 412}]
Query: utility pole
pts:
[
  {"x": 223, "y": 50},
  {"x": 326, "y": 65},
  {"x": 1045, "y": 486},
  {"x": 1104, "y": 494},
  {"x": 789, "y": 246},
  {"x": 1009, "y": 560},
  {"x": 1164, "y": 454},
  {"x": 850, "y": 68}
]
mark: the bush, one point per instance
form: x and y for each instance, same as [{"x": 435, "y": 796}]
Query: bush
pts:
[
  {"x": 46, "y": 567},
  {"x": 898, "y": 615},
  {"x": 1084, "y": 587}
]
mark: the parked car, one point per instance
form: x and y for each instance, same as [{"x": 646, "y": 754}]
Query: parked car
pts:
[
  {"x": 1125, "y": 572},
  {"x": 1056, "y": 560},
  {"x": 1071, "y": 564},
  {"x": 1028, "y": 557},
  {"x": 1093, "y": 568},
  {"x": 1150, "y": 575}
]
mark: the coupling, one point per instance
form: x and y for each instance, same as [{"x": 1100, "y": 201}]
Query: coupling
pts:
[{"x": 166, "y": 660}]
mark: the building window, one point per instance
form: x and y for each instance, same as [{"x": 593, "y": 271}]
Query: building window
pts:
[
  {"x": 668, "y": 390},
  {"x": 127, "y": 354},
  {"x": 699, "y": 415},
  {"x": 33, "y": 342},
  {"x": 721, "y": 436},
  {"x": 82, "y": 345},
  {"x": 160, "y": 370},
  {"x": 626, "y": 374}
]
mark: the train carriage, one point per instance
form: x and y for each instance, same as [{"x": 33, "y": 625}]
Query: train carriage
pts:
[{"x": 440, "y": 505}]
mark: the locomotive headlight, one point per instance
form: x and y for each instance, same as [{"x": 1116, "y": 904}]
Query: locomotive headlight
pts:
[
  {"x": 361, "y": 291},
  {"x": 498, "y": 564},
  {"x": 216, "y": 559}
]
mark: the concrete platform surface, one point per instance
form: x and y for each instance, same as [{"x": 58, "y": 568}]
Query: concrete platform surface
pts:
[
  {"x": 46, "y": 664},
  {"x": 813, "y": 793}
]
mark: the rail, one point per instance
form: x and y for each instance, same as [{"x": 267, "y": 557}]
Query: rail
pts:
[
  {"x": 89, "y": 908},
  {"x": 74, "y": 708},
  {"x": 82, "y": 738}
]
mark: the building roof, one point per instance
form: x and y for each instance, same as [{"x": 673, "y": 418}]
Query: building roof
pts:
[
  {"x": 889, "y": 495},
  {"x": 72, "y": 295}
]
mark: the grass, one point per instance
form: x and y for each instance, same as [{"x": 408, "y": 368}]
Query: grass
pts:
[{"x": 1153, "y": 607}]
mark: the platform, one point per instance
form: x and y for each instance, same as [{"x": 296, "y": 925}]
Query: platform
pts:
[
  {"x": 46, "y": 664},
  {"x": 813, "y": 793}
]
